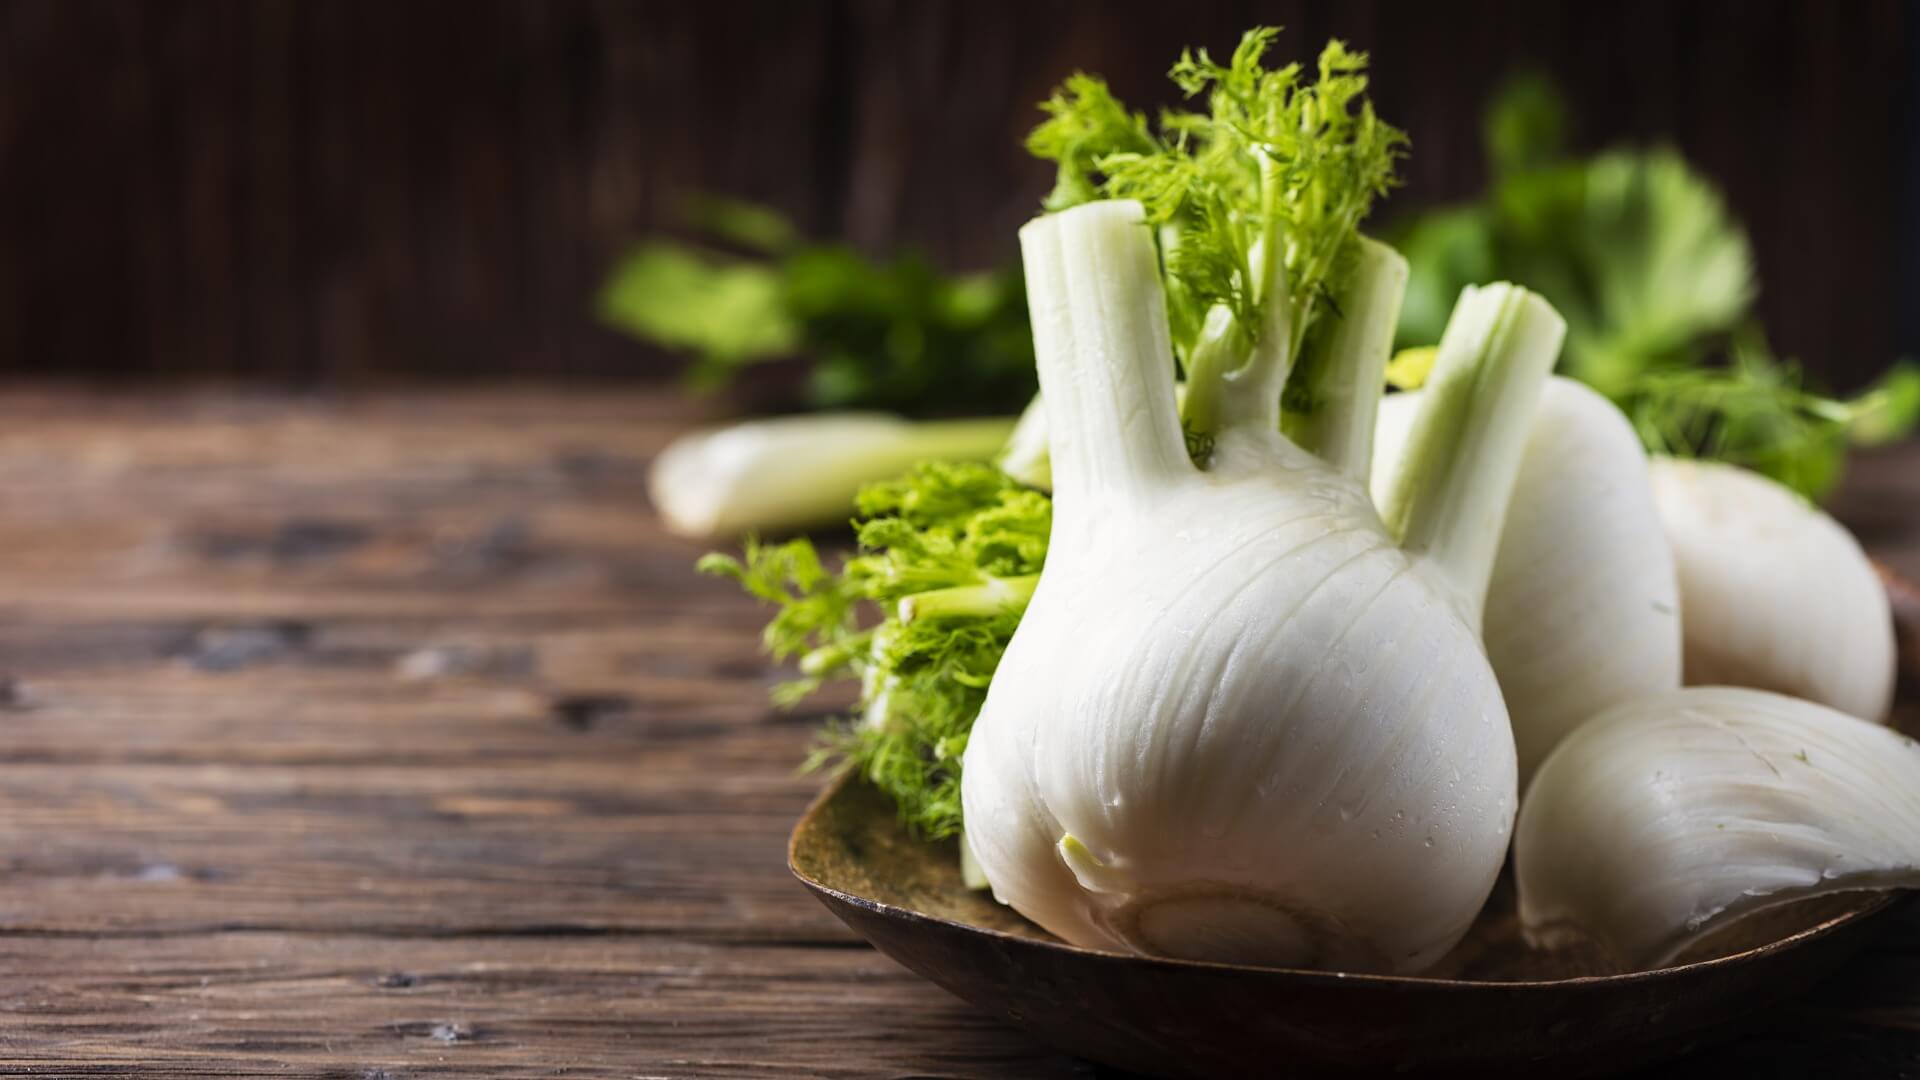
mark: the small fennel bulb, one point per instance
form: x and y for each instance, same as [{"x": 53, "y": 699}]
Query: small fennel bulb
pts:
[
  {"x": 1667, "y": 817},
  {"x": 1238, "y": 721},
  {"x": 1774, "y": 594},
  {"x": 796, "y": 472},
  {"x": 1583, "y": 611}
]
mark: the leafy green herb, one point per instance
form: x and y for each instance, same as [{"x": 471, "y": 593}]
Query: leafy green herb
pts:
[
  {"x": 1656, "y": 281},
  {"x": 894, "y": 335},
  {"x": 1255, "y": 200},
  {"x": 1754, "y": 412},
  {"x": 1085, "y": 125},
  {"x": 948, "y": 556}
]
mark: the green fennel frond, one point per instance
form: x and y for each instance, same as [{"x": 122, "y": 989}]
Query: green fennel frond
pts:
[
  {"x": 942, "y": 526},
  {"x": 817, "y": 617},
  {"x": 1084, "y": 124},
  {"x": 1279, "y": 168},
  {"x": 1756, "y": 412}
]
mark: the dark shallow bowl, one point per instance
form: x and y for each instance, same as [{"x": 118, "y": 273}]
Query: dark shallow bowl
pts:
[
  {"x": 1493, "y": 1007},
  {"x": 1496, "y": 1007}
]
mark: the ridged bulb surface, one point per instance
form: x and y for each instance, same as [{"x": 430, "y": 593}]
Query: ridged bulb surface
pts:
[
  {"x": 1583, "y": 611},
  {"x": 1241, "y": 756},
  {"x": 1665, "y": 818}
]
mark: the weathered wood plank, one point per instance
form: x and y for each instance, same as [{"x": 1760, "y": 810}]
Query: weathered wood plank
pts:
[
  {"x": 387, "y": 735},
  {"x": 344, "y": 1005},
  {"x": 245, "y": 1004}
]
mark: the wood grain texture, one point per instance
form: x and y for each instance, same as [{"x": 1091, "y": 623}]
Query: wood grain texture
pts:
[
  {"x": 387, "y": 736},
  {"x": 322, "y": 191}
]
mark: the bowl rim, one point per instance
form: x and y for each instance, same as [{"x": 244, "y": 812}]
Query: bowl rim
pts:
[{"x": 1876, "y": 902}]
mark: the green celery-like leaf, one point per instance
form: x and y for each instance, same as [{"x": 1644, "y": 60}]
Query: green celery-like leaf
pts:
[
  {"x": 1667, "y": 263},
  {"x": 727, "y": 312},
  {"x": 1636, "y": 250},
  {"x": 1655, "y": 278}
]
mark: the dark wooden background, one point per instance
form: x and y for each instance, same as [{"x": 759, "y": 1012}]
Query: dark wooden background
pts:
[{"x": 335, "y": 191}]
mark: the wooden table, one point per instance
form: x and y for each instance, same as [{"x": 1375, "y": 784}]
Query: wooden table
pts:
[{"x": 388, "y": 736}]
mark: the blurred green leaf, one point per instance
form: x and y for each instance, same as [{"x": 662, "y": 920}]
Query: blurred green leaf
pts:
[
  {"x": 1890, "y": 409},
  {"x": 1526, "y": 126},
  {"x": 894, "y": 334},
  {"x": 744, "y": 224},
  {"x": 728, "y": 313},
  {"x": 1447, "y": 250},
  {"x": 1666, "y": 264},
  {"x": 1655, "y": 278}
]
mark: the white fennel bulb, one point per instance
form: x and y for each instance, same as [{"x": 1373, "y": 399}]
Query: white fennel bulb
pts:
[
  {"x": 795, "y": 472},
  {"x": 1583, "y": 611},
  {"x": 1774, "y": 594},
  {"x": 1665, "y": 818},
  {"x": 1238, "y": 720}
]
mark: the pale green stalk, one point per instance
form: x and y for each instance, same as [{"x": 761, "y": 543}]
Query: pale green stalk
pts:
[
  {"x": 991, "y": 597},
  {"x": 1353, "y": 344},
  {"x": 1448, "y": 497},
  {"x": 799, "y": 472},
  {"x": 1100, "y": 331}
]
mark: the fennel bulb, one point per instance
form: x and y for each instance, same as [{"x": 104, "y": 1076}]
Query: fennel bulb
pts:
[
  {"x": 1665, "y": 818},
  {"x": 796, "y": 472},
  {"x": 1583, "y": 612},
  {"x": 1238, "y": 721},
  {"x": 1774, "y": 594}
]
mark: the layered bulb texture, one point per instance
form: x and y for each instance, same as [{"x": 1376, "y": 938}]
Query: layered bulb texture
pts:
[
  {"x": 1245, "y": 717},
  {"x": 1667, "y": 817},
  {"x": 1583, "y": 612}
]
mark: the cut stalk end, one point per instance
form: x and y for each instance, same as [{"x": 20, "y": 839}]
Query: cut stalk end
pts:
[
  {"x": 1104, "y": 351},
  {"x": 1448, "y": 497}
]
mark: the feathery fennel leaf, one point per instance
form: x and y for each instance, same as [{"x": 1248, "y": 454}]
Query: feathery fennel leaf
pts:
[
  {"x": 1754, "y": 412},
  {"x": 965, "y": 530},
  {"x": 1085, "y": 124},
  {"x": 1256, "y": 199}
]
